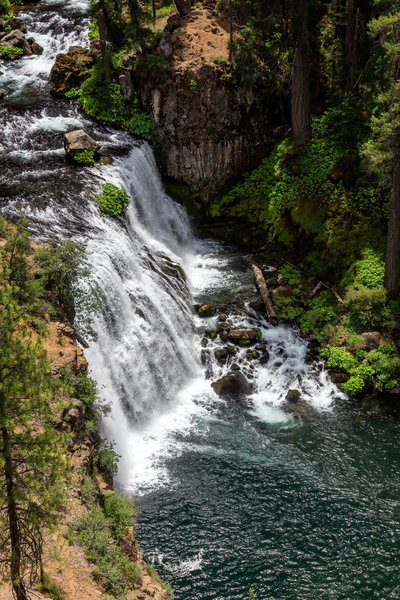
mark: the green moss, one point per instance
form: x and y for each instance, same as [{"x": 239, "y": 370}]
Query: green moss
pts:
[{"x": 112, "y": 200}]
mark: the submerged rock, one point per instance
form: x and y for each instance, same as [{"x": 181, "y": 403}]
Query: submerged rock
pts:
[
  {"x": 232, "y": 384},
  {"x": 207, "y": 310},
  {"x": 77, "y": 141}
]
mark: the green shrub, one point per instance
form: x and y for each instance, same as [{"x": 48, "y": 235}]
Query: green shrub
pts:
[
  {"x": 114, "y": 569},
  {"x": 86, "y": 157},
  {"x": 122, "y": 514},
  {"x": 8, "y": 50},
  {"x": 52, "y": 589},
  {"x": 354, "y": 386},
  {"x": 107, "y": 459},
  {"x": 370, "y": 270},
  {"x": 93, "y": 31},
  {"x": 338, "y": 358},
  {"x": 112, "y": 200},
  {"x": 368, "y": 309},
  {"x": 5, "y": 9}
]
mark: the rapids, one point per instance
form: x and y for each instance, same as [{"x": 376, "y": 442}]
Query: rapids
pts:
[{"x": 300, "y": 505}]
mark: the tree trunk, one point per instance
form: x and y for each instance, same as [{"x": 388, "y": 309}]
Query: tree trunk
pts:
[
  {"x": 351, "y": 43},
  {"x": 392, "y": 266},
  {"x": 183, "y": 7},
  {"x": 15, "y": 561},
  {"x": 300, "y": 89}
]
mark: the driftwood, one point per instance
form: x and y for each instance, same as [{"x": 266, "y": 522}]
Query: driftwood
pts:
[
  {"x": 264, "y": 293},
  {"x": 338, "y": 298},
  {"x": 316, "y": 289}
]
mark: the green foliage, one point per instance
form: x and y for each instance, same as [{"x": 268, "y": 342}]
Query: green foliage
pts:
[
  {"x": 107, "y": 459},
  {"x": 93, "y": 31},
  {"x": 9, "y": 50},
  {"x": 114, "y": 569},
  {"x": 370, "y": 270},
  {"x": 62, "y": 271},
  {"x": 106, "y": 103},
  {"x": 5, "y": 7},
  {"x": 368, "y": 309},
  {"x": 86, "y": 157},
  {"x": 252, "y": 594},
  {"x": 112, "y": 200},
  {"x": 338, "y": 358},
  {"x": 122, "y": 514},
  {"x": 193, "y": 87}
]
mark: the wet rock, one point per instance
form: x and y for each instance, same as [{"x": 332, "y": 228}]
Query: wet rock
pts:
[
  {"x": 212, "y": 334},
  {"x": 252, "y": 355},
  {"x": 16, "y": 23},
  {"x": 293, "y": 396},
  {"x": 204, "y": 357},
  {"x": 222, "y": 318},
  {"x": 77, "y": 141},
  {"x": 240, "y": 335},
  {"x": 70, "y": 70},
  {"x": 16, "y": 38},
  {"x": 338, "y": 378},
  {"x": 265, "y": 357},
  {"x": 207, "y": 310},
  {"x": 235, "y": 367},
  {"x": 232, "y": 384},
  {"x": 261, "y": 347},
  {"x": 2, "y": 95},
  {"x": 204, "y": 342},
  {"x": 37, "y": 48},
  {"x": 257, "y": 303},
  {"x": 231, "y": 349},
  {"x": 221, "y": 354}
]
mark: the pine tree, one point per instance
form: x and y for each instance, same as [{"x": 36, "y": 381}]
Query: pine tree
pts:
[{"x": 32, "y": 453}]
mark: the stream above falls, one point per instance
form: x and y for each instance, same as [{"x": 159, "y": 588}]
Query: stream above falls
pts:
[{"x": 299, "y": 505}]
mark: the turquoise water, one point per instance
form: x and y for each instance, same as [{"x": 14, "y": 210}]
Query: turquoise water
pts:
[{"x": 305, "y": 511}]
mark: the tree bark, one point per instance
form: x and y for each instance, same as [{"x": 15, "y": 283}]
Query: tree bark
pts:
[
  {"x": 351, "y": 43},
  {"x": 264, "y": 293},
  {"x": 392, "y": 266},
  {"x": 300, "y": 88},
  {"x": 183, "y": 7},
  {"x": 15, "y": 561}
]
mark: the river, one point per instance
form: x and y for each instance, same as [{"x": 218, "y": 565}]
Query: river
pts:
[{"x": 299, "y": 505}]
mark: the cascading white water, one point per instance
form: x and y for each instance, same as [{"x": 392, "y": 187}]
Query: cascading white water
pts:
[{"x": 147, "y": 356}]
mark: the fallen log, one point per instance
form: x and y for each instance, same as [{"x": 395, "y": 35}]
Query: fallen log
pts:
[
  {"x": 338, "y": 298},
  {"x": 264, "y": 293},
  {"x": 316, "y": 289}
]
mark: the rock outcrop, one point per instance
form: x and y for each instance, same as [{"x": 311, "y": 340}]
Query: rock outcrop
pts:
[
  {"x": 232, "y": 384},
  {"x": 12, "y": 35},
  {"x": 70, "y": 70}
]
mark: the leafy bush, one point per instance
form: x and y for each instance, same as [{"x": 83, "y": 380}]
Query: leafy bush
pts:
[
  {"x": 368, "y": 309},
  {"x": 107, "y": 459},
  {"x": 338, "y": 358},
  {"x": 8, "y": 50},
  {"x": 112, "y": 200},
  {"x": 193, "y": 86},
  {"x": 106, "y": 103},
  {"x": 122, "y": 514},
  {"x": 370, "y": 270},
  {"x": 4, "y": 9},
  {"x": 86, "y": 157},
  {"x": 115, "y": 570}
]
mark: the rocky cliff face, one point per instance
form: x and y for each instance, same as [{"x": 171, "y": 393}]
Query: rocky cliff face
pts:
[{"x": 210, "y": 130}]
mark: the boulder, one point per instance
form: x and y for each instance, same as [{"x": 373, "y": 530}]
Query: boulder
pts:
[
  {"x": 232, "y": 384},
  {"x": 257, "y": 303},
  {"x": 338, "y": 378},
  {"x": 77, "y": 141},
  {"x": 371, "y": 340},
  {"x": 293, "y": 396},
  {"x": 264, "y": 357},
  {"x": 206, "y": 310},
  {"x": 165, "y": 45},
  {"x": 16, "y": 23},
  {"x": 221, "y": 354},
  {"x": 238, "y": 335},
  {"x": 70, "y": 70},
  {"x": 37, "y": 48},
  {"x": 16, "y": 38},
  {"x": 73, "y": 417}
]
